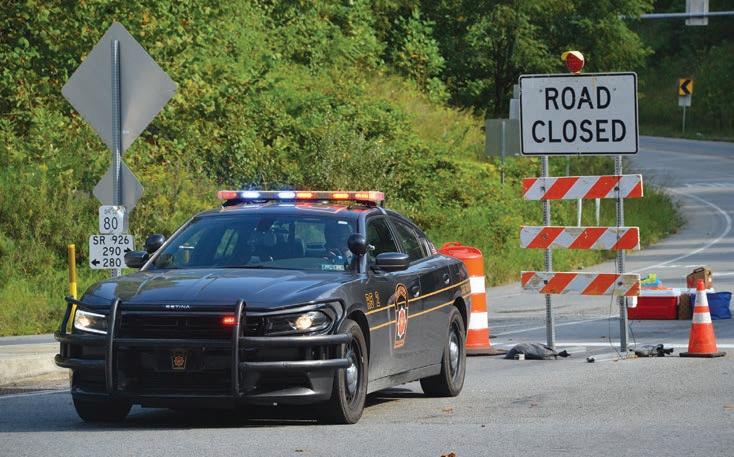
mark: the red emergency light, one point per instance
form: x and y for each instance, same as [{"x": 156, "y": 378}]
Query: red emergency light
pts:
[
  {"x": 369, "y": 196},
  {"x": 228, "y": 321}
]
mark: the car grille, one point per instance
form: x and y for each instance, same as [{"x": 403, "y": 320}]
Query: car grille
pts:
[{"x": 183, "y": 326}]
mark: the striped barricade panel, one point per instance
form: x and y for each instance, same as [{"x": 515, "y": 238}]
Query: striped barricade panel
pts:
[
  {"x": 585, "y": 187},
  {"x": 612, "y": 238},
  {"x": 549, "y": 282}
]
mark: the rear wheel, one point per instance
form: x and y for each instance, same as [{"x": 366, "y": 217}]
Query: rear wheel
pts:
[
  {"x": 350, "y": 384},
  {"x": 102, "y": 410},
  {"x": 450, "y": 381}
]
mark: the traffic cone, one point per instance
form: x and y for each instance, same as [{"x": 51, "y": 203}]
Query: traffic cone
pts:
[
  {"x": 702, "y": 342},
  {"x": 477, "y": 335}
]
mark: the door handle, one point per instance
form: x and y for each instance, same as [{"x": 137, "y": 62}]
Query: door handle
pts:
[
  {"x": 446, "y": 278},
  {"x": 415, "y": 289}
]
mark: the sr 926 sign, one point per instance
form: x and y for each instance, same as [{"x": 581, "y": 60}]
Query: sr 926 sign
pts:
[{"x": 107, "y": 252}]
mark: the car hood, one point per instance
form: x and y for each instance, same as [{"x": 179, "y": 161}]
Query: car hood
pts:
[{"x": 267, "y": 288}]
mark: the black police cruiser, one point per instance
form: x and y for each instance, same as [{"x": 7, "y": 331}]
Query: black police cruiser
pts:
[{"x": 291, "y": 297}]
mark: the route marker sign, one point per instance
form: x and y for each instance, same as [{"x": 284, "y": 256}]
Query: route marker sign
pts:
[
  {"x": 107, "y": 252},
  {"x": 111, "y": 219},
  {"x": 569, "y": 114},
  {"x": 145, "y": 88}
]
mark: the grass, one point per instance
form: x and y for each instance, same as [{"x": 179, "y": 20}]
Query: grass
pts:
[
  {"x": 32, "y": 305},
  {"x": 691, "y": 133}
]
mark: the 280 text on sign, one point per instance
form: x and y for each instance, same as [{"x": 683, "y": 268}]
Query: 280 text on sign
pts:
[{"x": 579, "y": 114}]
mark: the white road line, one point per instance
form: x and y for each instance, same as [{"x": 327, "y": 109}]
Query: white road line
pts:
[
  {"x": 34, "y": 394},
  {"x": 724, "y": 233},
  {"x": 557, "y": 325},
  {"x": 599, "y": 344}
]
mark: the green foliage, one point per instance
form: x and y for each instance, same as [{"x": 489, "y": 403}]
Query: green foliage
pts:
[
  {"x": 330, "y": 94},
  {"x": 415, "y": 53},
  {"x": 488, "y": 43},
  {"x": 703, "y": 53}
]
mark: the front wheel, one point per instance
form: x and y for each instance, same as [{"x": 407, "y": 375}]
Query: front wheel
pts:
[
  {"x": 350, "y": 384},
  {"x": 450, "y": 381},
  {"x": 102, "y": 410}
]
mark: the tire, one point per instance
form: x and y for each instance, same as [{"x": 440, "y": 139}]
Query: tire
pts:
[
  {"x": 102, "y": 410},
  {"x": 346, "y": 405},
  {"x": 450, "y": 381}
]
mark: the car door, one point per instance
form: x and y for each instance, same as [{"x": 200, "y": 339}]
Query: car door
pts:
[
  {"x": 389, "y": 299},
  {"x": 435, "y": 282}
]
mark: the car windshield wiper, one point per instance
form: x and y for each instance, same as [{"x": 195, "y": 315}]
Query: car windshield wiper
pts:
[{"x": 255, "y": 267}]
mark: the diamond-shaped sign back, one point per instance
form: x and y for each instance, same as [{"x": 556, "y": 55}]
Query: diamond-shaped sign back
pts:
[{"x": 145, "y": 88}]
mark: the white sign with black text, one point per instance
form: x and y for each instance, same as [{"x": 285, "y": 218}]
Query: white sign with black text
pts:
[
  {"x": 567, "y": 114},
  {"x": 107, "y": 252},
  {"x": 111, "y": 219}
]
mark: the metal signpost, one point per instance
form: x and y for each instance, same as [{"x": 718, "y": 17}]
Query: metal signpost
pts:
[
  {"x": 118, "y": 90},
  {"x": 573, "y": 114},
  {"x": 502, "y": 138},
  {"x": 685, "y": 89}
]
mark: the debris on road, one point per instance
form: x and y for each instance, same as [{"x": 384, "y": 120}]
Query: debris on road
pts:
[
  {"x": 535, "y": 351},
  {"x": 652, "y": 350}
]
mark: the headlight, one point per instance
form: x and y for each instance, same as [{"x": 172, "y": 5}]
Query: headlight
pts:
[
  {"x": 307, "y": 322},
  {"x": 90, "y": 322}
]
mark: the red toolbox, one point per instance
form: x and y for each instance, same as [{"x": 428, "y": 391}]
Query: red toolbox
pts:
[{"x": 654, "y": 307}]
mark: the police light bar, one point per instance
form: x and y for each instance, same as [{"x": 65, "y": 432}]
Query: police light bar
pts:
[{"x": 369, "y": 196}]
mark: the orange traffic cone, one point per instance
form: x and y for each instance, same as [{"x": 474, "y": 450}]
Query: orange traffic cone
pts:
[
  {"x": 477, "y": 335},
  {"x": 702, "y": 342}
]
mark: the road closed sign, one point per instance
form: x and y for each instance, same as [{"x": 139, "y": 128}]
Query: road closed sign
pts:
[{"x": 570, "y": 114}]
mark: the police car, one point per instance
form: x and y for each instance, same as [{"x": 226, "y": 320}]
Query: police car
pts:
[{"x": 289, "y": 297}]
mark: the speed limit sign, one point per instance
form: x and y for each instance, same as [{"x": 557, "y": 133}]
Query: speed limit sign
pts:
[{"x": 111, "y": 219}]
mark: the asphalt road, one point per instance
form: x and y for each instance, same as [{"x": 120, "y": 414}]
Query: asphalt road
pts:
[{"x": 615, "y": 406}]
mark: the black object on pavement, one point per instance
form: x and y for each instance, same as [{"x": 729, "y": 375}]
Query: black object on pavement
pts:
[
  {"x": 535, "y": 351},
  {"x": 651, "y": 350}
]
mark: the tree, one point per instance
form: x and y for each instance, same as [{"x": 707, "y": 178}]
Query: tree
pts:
[{"x": 488, "y": 44}]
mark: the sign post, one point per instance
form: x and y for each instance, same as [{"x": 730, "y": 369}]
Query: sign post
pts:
[
  {"x": 685, "y": 89},
  {"x": 118, "y": 90},
  {"x": 575, "y": 114},
  {"x": 550, "y": 325}
]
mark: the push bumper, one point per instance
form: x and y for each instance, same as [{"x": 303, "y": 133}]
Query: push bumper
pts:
[{"x": 250, "y": 363}]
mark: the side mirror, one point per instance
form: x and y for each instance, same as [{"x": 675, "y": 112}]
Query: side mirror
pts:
[
  {"x": 392, "y": 261},
  {"x": 154, "y": 242},
  {"x": 357, "y": 244},
  {"x": 136, "y": 259}
]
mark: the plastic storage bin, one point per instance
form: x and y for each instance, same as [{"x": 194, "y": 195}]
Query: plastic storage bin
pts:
[
  {"x": 718, "y": 304},
  {"x": 663, "y": 308}
]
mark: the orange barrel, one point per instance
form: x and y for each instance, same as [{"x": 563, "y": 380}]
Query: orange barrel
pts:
[{"x": 477, "y": 338}]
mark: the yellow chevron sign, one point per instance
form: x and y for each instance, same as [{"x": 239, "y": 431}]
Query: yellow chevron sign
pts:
[{"x": 685, "y": 86}]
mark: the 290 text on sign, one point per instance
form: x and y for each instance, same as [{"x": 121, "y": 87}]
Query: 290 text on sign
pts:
[{"x": 579, "y": 114}]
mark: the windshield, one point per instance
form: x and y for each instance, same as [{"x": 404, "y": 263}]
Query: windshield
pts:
[{"x": 260, "y": 241}]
